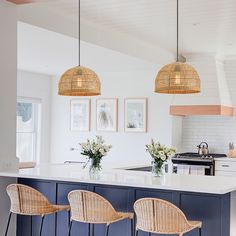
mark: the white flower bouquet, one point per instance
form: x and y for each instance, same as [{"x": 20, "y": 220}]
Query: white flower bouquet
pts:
[
  {"x": 95, "y": 150},
  {"x": 160, "y": 153}
]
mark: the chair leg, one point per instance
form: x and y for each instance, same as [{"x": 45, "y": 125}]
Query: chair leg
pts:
[
  {"x": 68, "y": 218},
  {"x": 41, "y": 226},
  {"x": 31, "y": 225},
  {"x": 70, "y": 227},
  {"x": 89, "y": 229},
  {"x": 8, "y": 223},
  {"x": 107, "y": 230},
  {"x": 132, "y": 226},
  {"x": 200, "y": 231},
  {"x": 136, "y": 234}
]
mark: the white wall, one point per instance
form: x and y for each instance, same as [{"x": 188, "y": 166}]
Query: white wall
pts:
[
  {"x": 218, "y": 131},
  {"x": 121, "y": 76},
  {"x": 35, "y": 85},
  {"x": 8, "y": 70}
]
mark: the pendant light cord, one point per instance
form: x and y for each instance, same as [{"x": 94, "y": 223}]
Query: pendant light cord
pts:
[
  {"x": 79, "y": 32},
  {"x": 177, "y": 51}
]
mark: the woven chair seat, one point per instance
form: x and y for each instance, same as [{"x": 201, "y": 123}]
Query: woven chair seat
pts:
[
  {"x": 89, "y": 207},
  {"x": 61, "y": 208},
  {"x": 121, "y": 216},
  {"x": 28, "y": 201},
  {"x": 126, "y": 215},
  {"x": 195, "y": 224},
  {"x": 161, "y": 217}
]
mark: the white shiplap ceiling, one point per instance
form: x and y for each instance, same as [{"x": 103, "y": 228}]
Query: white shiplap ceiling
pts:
[{"x": 205, "y": 25}]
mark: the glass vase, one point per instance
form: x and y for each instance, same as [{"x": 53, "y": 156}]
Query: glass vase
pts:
[
  {"x": 158, "y": 169},
  {"x": 94, "y": 168}
]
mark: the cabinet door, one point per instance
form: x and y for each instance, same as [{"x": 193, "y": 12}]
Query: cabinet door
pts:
[
  {"x": 62, "y": 217},
  {"x": 209, "y": 209},
  {"x": 24, "y": 225},
  {"x": 120, "y": 199},
  {"x": 153, "y": 194}
]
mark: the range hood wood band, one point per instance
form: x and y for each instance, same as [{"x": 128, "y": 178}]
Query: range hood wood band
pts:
[
  {"x": 21, "y": 1},
  {"x": 190, "y": 110}
]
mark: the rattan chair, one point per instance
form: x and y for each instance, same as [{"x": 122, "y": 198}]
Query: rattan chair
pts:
[
  {"x": 91, "y": 208},
  {"x": 161, "y": 217},
  {"x": 28, "y": 201}
]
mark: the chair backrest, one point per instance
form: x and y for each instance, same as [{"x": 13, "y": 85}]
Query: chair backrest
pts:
[
  {"x": 159, "y": 216},
  {"x": 26, "y": 200},
  {"x": 90, "y": 207}
]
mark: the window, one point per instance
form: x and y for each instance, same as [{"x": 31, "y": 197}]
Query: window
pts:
[{"x": 28, "y": 129}]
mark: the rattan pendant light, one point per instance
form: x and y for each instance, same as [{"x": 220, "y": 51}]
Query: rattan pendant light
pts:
[
  {"x": 79, "y": 80},
  {"x": 177, "y": 77}
]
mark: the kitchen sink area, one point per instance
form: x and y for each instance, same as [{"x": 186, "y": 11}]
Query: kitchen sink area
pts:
[{"x": 146, "y": 168}]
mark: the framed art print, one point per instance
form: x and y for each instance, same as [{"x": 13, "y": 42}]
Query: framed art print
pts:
[
  {"x": 136, "y": 115},
  {"x": 106, "y": 114},
  {"x": 80, "y": 114}
]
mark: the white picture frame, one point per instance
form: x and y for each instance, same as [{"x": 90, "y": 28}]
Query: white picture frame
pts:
[
  {"x": 107, "y": 114},
  {"x": 80, "y": 115},
  {"x": 135, "y": 114}
]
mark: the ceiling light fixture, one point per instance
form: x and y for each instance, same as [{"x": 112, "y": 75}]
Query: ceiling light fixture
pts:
[
  {"x": 177, "y": 77},
  {"x": 79, "y": 80}
]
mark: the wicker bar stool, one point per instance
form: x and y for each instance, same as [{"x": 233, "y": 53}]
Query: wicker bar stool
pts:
[
  {"x": 28, "y": 201},
  {"x": 91, "y": 208},
  {"x": 161, "y": 217}
]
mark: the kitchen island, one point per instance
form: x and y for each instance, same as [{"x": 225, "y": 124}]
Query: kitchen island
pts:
[{"x": 206, "y": 198}]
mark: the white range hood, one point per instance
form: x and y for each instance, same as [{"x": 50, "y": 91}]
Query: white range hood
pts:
[{"x": 214, "y": 98}]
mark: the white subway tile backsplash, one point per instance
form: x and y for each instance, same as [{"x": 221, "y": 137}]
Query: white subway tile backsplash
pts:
[{"x": 217, "y": 131}]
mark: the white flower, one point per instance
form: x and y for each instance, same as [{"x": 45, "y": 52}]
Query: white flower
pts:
[
  {"x": 161, "y": 153},
  {"x": 170, "y": 154},
  {"x": 95, "y": 147},
  {"x": 163, "y": 157}
]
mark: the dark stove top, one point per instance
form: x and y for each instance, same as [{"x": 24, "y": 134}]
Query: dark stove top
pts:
[{"x": 196, "y": 157}]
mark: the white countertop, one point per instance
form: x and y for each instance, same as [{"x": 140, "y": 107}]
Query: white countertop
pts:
[
  {"x": 225, "y": 159},
  {"x": 74, "y": 173}
]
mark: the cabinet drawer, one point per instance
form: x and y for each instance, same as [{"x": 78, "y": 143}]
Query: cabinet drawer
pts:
[
  {"x": 225, "y": 165},
  {"x": 225, "y": 173}
]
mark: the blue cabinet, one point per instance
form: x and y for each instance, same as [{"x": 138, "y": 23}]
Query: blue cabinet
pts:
[
  {"x": 27, "y": 226},
  {"x": 122, "y": 201},
  {"x": 213, "y": 210},
  {"x": 62, "y": 219}
]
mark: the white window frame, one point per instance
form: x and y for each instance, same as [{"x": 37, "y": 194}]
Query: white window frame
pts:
[{"x": 37, "y": 124}]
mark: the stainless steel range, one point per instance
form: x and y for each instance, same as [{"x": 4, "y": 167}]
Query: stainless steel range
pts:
[{"x": 205, "y": 162}]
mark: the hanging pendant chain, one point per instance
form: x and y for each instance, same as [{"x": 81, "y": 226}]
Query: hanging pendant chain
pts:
[
  {"x": 79, "y": 32},
  {"x": 177, "y": 51}
]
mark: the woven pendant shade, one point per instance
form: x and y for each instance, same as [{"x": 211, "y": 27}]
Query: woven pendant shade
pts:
[
  {"x": 79, "y": 81},
  {"x": 177, "y": 78}
]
